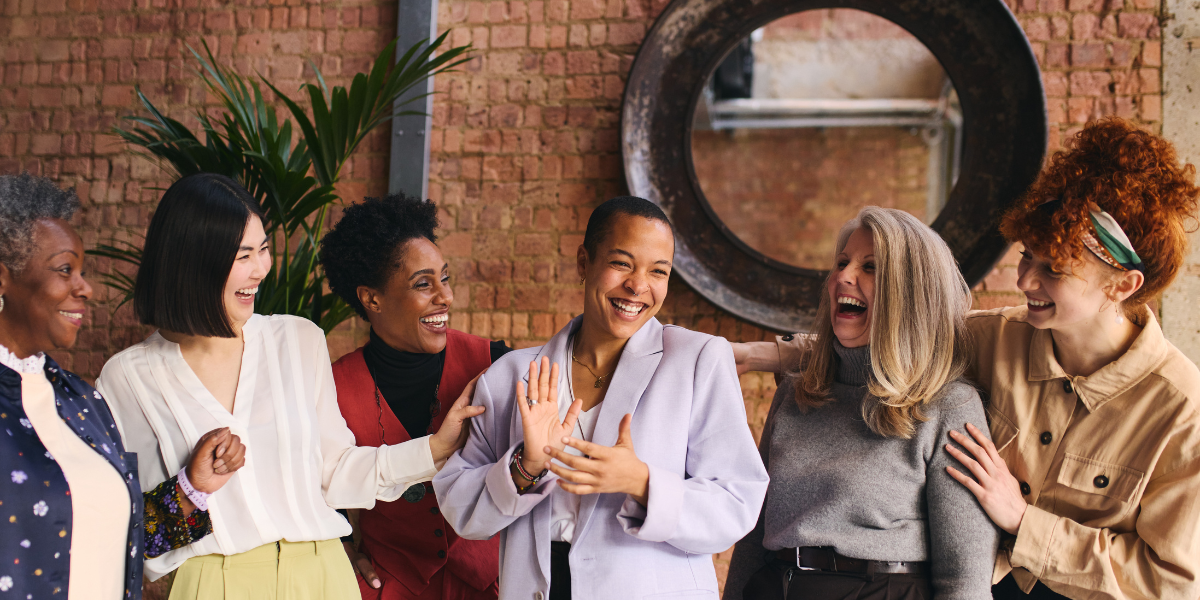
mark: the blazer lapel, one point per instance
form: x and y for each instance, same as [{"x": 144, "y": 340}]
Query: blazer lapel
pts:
[{"x": 637, "y": 366}]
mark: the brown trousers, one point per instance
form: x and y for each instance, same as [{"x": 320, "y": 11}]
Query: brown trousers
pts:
[{"x": 769, "y": 583}]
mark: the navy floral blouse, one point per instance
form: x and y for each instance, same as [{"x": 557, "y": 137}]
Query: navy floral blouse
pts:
[{"x": 35, "y": 502}]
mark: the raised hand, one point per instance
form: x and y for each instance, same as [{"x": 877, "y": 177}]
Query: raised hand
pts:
[
  {"x": 539, "y": 415},
  {"x": 217, "y": 456},
  {"x": 999, "y": 493},
  {"x": 603, "y": 470},
  {"x": 453, "y": 433}
]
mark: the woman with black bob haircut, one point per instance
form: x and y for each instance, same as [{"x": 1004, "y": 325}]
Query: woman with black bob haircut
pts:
[
  {"x": 271, "y": 528},
  {"x": 382, "y": 258}
]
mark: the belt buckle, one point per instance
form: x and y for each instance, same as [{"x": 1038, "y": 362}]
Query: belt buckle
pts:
[{"x": 802, "y": 568}]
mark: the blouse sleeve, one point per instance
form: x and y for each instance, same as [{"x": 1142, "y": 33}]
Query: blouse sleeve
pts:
[
  {"x": 166, "y": 527},
  {"x": 353, "y": 476}
]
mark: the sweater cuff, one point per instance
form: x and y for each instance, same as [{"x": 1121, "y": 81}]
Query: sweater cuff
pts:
[{"x": 1032, "y": 549}]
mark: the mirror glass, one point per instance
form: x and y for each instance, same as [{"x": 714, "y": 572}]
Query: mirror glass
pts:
[{"x": 813, "y": 117}]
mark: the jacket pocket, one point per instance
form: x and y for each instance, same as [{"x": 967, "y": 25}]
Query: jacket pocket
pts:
[
  {"x": 1096, "y": 477},
  {"x": 1003, "y": 431}
]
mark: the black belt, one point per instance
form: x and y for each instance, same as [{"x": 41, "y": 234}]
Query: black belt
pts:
[{"x": 825, "y": 559}]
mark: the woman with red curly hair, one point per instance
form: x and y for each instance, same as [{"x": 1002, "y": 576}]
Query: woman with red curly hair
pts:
[{"x": 1093, "y": 467}]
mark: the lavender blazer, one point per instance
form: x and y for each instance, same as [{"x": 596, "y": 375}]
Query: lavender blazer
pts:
[{"x": 707, "y": 481}]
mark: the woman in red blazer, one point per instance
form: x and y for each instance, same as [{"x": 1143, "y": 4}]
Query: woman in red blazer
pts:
[{"x": 382, "y": 259}]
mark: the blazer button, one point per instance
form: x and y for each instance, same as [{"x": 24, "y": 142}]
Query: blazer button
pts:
[
  {"x": 1100, "y": 481},
  {"x": 441, "y": 554},
  {"x": 538, "y": 596},
  {"x": 1067, "y": 387},
  {"x": 787, "y": 338},
  {"x": 1025, "y": 489},
  {"x": 1046, "y": 438},
  {"x": 433, "y": 511},
  {"x": 437, "y": 533}
]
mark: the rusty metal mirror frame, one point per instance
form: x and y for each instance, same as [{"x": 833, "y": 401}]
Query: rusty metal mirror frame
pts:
[{"x": 984, "y": 53}]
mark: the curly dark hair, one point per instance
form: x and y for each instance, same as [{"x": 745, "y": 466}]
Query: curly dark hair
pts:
[
  {"x": 364, "y": 247},
  {"x": 24, "y": 200},
  {"x": 1131, "y": 174}
]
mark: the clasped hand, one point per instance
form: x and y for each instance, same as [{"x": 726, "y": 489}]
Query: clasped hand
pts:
[{"x": 602, "y": 469}]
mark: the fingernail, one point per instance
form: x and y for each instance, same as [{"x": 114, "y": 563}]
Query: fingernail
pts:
[
  {"x": 566, "y": 440},
  {"x": 546, "y": 450}
]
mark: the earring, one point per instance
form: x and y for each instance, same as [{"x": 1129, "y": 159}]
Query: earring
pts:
[
  {"x": 1, "y": 303},
  {"x": 1120, "y": 318},
  {"x": 581, "y": 282}
]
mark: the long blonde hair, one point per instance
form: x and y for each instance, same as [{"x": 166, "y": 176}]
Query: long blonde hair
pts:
[{"x": 918, "y": 337}]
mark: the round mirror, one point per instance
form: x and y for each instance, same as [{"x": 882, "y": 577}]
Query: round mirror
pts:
[
  {"x": 816, "y": 115},
  {"x": 760, "y": 127}
]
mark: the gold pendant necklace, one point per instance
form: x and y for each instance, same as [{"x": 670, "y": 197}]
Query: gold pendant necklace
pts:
[{"x": 599, "y": 378}]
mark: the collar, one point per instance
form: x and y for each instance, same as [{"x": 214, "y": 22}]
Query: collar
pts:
[
  {"x": 1148, "y": 351},
  {"x": 647, "y": 341},
  {"x": 29, "y": 365}
]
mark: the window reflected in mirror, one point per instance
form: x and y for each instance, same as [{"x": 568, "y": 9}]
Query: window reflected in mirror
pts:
[{"x": 813, "y": 117}]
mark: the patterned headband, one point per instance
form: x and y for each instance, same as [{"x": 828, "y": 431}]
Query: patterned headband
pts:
[{"x": 1106, "y": 239}]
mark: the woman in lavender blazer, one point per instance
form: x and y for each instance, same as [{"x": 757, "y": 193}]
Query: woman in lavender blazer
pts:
[{"x": 653, "y": 466}]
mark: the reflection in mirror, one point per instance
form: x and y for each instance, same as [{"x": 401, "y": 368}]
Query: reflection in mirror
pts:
[{"x": 815, "y": 116}]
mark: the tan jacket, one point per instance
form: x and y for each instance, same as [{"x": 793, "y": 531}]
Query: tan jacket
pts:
[{"x": 1110, "y": 464}]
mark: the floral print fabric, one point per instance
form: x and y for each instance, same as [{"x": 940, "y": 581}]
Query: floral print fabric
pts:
[
  {"x": 167, "y": 527},
  {"x": 35, "y": 502}
]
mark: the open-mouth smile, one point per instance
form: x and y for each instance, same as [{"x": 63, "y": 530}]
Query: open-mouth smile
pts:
[
  {"x": 1036, "y": 305},
  {"x": 627, "y": 309},
  {"x": 436, "y": 322},
  {"x": 76, "y": 318},
  {"x": 246, "y": 294},
  {"x": 849, "y": 307}
]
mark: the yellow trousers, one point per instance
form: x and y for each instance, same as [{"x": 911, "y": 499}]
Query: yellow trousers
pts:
[{"x": 275, "y": 571}]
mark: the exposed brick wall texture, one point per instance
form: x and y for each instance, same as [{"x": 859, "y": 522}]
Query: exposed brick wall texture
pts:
[{"x": 525, "y": 140}]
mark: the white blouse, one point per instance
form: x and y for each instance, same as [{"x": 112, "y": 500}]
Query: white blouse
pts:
[
  {"x": 564, "y": 506},
  {"x": 301, "y": 461}
]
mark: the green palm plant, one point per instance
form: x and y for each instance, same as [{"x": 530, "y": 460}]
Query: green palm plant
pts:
[{"x": 294, "y": 180}]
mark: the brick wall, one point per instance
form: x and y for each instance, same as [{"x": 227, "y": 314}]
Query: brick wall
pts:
[{"x": 525, "y": 139}]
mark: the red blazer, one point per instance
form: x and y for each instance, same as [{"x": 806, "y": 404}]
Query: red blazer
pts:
[{"x": 410, "y": 542}]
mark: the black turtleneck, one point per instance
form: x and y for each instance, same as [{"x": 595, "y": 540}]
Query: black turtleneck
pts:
[{"x": 408, "y": 381}]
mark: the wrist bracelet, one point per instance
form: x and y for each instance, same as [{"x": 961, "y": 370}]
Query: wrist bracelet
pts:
[
  {"x": 199, "y": 498},
  {"x": 517, "y": 460}
]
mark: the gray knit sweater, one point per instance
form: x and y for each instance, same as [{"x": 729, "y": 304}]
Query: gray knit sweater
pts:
[{"x": 836, "y": 483}]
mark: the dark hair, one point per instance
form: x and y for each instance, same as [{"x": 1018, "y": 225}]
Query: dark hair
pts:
[
  {"x": 24, "y": 200},
  {"x": 600, "y": 224},
  {"x": 364, "y": 247},
  {"x": 191, "y": 244},
  {"x": 1131, "y": 174}
]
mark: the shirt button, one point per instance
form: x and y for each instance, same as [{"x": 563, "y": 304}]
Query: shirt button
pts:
[
  {"x": 1067, "y": 387},
  {"x": 787, "y": 338},
  {"x": 441, "y": 554},
  {"x": 1025, "y": 489},
  {"x": 433, "y": 511},
  {"x": 1100, "y": 481},
  {"x": 538, "y": 596},
  {"x": 437, "y": 533},
  {"x": 1047, "y": 437}
]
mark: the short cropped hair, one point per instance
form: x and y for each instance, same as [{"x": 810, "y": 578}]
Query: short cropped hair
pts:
[
  {"x": 364, "y": 247},
  {"x": 600, "y": 224},
  {"x": 1133, "y": 175},
  {"x": 24, "y": 200},
  {"x": 919, "y": 339},
  {"x": 191, "y": 244}
]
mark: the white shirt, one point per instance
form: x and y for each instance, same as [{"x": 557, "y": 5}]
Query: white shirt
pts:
[
  {"x": 301, "y": 461},
  {"x": 564, "y": 506}
]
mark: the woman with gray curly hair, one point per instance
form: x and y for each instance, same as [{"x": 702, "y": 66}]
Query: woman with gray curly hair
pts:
[{"x": 71, "y": 514}]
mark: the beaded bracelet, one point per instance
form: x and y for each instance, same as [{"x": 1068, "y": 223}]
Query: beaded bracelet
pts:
[
  {"x": 199, "y": 498},
  {"x": 518, "y": 462}
]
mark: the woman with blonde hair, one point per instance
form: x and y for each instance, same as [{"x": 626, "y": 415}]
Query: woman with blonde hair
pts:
[{"x": 859, "y": 504}]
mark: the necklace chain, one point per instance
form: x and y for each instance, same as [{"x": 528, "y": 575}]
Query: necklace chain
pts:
[{"x": 599, "y": 378}]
